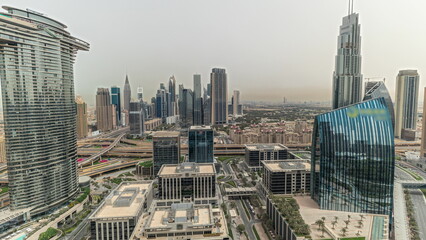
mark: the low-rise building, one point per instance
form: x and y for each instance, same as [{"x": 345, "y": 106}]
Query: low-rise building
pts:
[
  {"x": 121, "y": 210},
  {"x": 255, "y": 153},
  {"x": 153, "y": 123},
  {"x": 286, "y": 177},
  {"x": 184, "y": 221},
  {"x": 187, "y": 182}
]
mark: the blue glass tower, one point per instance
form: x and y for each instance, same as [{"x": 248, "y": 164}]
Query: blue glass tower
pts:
[
  {"x": 200, "y": 144},
  {"x": 353, "y": 159},
  {"x": 115, "y": 99}
]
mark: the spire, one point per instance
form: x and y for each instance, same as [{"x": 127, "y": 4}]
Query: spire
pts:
[{"x": 127, "y": 79}]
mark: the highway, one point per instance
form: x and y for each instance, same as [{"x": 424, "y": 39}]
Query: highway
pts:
[{"x": 95, "y": 156}]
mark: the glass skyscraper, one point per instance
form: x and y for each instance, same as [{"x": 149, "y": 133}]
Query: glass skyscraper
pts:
[
  {"x": 116, "y": 100},
  {"x": 166, "y": 149},
  {"x": 200, "y": 144},
  {"x": 37, "y": 56},
  {"x": 219, "y": 96},
  {"x": 353, "y": 159},
  {"x": 377, "y": 89}
]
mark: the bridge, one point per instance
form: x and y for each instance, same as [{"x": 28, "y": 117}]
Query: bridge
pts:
[
  {"x": 240, "y": 191},
  {"x": 97, "y": 155},
  {"x": 412, "y": 184},
  {"x": 106, "y": 168}
]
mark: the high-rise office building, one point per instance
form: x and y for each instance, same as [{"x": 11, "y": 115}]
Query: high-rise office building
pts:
[
  {"x": 127, "y": 94},
  {"x": 136, "y": 119},
  {"x": 200, "y": 144},
  {"x": 187, "y": 108},
  {"x": 406, "y": 98},
  {"x": 180, "y": 98},
  {"x": 161, "y": 104},
  {"x": 347, "y": 78},
  {"x": 116, "y": 100},
  {"x": 140, "y": 94},
  {"x": 166, "y": 149},
  {"x": 39, "y": 110},
  {"x": 207, "y": 116},
  {"x": 219, "y": 96},
  {"x": 353, "y": 159},
  {"x": 198, "y": 101},
  {"x": 81, "y": 116},
  {"x": 377, "y": 89},
  {"x": 105, "y": 111},
  {"x": 423, "y": 143},
  {"x": 236, "y": 106},
  {"x": 173, "y": 98}
]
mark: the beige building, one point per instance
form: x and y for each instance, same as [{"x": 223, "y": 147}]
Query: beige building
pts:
[
  {"x": 119, "y": 213},
  {"x": 105, "y": 111},
  {"x": 152, "y": 124},
  {"x": 423, "y": 144},
  {"x": 81, "y": 125},
  {"x": 189, "y": 181},
  {"x": 183, "y": 221},
  {"x": 406, "y": 98}
]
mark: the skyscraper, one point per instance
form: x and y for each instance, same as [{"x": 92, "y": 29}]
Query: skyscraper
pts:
[
  {"x": 82, "y": 128},
  {"x": 187, "y": 108},
  {"x": 127, "y": 94},
  {"x": 236, "y": 103},
  {"x": 406, "y": 98},
  {"x": 172, "y": 91},
  {"x": 180, "y": 99},
  {"x": 105, "y": 111},
  {"x": 377, "y": 89},
  {"x": 198, "y": 101},
  {"x": 200, "y": 144},
  {"x": 39, "y": 109},
  {"x": 161, "y": 103},
  {"x": 347, "y": 78},
  {"x": 207, "y": 114},
  {"x": 116, "y": 100},
  {"x": 353, "y": 159},
  {"x": 219, "y": 96},
  {"x": 136, "y": 119},
  {"x": 140, "y": 93},
  {"x": 166, "y": 149}
]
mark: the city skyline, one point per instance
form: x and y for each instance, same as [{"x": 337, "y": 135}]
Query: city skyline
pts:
[{"x": 273, "y": 55}]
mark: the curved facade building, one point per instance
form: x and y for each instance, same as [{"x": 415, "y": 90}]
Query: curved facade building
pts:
[
  {"x": 353, "y": 159},
  {"x": 36, "y": 71},
  {"x": 377, "y": 89}
]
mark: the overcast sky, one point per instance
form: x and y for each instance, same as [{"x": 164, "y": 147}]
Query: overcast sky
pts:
[{"x": 270, "y": 49}]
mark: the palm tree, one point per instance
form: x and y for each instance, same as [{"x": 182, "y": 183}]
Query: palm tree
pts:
[
  {"x": 349, "y": 217},
  {"x": 319, "y": 222},
  {"x": 323, "y": 219},
  {"x": 322, "y": 230},
  {"x": 343, "y": 230},
  {"x": 333, "y": 223},
  {"x": 336, "y": 218},
  {"x": 347, "y": 223},
  {"x": 362, "y": 216},
  {"x": 360, "y": 223}
]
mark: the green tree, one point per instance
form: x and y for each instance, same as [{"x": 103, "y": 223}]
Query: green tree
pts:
[
  {"x": 241, "y": 228},
  {"x": 344, "y": 231}
]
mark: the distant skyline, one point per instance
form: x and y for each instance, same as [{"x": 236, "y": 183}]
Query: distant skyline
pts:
[{"x": 270, "y": 49}]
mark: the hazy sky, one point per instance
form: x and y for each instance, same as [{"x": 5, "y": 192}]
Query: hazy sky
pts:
[{"x": 270, "y": 49}]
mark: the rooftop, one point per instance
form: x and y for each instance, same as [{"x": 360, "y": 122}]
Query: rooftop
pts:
[
  {"x": 187, "y": 167},
  {"x": 200, "y": 128},
  {"x": 125, "y": 201},
  {"x": 286, "y": 165},
  {"x": 166, "y": 134},
  {"x": 266, "y": 146}
]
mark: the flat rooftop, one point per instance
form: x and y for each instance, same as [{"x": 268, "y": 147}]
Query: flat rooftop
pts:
[
  {"x": 200, "y": 128},
  {"x": 373, "y": 226},
  {"x": 286, "y": 166},
  {"x": 266, "y": 146},
  {"x": 166, "y": 134},
  {"x": 125, "y": 201},
  {"x": 187, "y": 167}
]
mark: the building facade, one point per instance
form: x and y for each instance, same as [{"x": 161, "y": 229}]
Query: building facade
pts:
[
  {"x": 353, "y": 159},
  {"x": 219, "y": 96},
  {"x": 82, "y": 128},
  {"x": 377, "y": 89},
  {"x": 116, "y": 101},
  {"x": 423, "y": 142},
  {"x": 255, "y": 153},
  {"x": 406, "y": 100},
  {"x": 286, "y": 177},
  {"x": 127, "y": 94},
  {"x": 347, "y": 78},
  {"x": 187, "y": 116},
  {"x": 166, "y": 149},
  {"x": 195, "y": 182},
  {"x": 105, "y": 111},
  {"x": 200, "y": 144},
  {"x": 37, "y": 56},
  {"x": 198, "y": 101},
  {"x": 136, "y": 119}
]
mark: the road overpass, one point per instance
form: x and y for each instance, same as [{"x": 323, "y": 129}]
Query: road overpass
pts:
[
  {"x": 97, "y": 155},
  {"x": 412, "y": 184}
]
